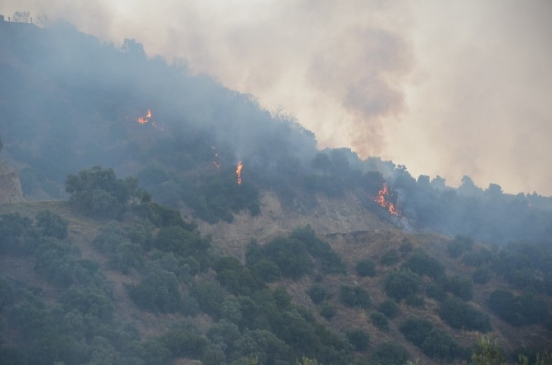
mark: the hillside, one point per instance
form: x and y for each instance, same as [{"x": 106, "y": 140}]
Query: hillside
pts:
[
  {"x": 346, "y": 289},
  {"x": 186, "y": 258}
]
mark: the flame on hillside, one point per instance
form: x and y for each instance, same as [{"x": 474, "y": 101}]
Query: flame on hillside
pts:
[
  {"x": 238, "y": 172},
  {"x": 382, "y": 201},
  {"x": 145, "y": 119}
]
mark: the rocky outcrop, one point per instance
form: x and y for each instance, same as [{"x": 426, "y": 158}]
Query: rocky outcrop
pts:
[
  {"x": 330, "y": 215},
  {"x": 10, "y": 185}
]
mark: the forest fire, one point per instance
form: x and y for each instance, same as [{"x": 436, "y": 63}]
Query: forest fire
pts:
[
  {"x": 238, "y": 172},
  {"x": 145, "y": 120},
  {"x": 382, "y": 194}
]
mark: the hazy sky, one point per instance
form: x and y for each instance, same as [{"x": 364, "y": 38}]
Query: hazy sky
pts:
[{"x": 452, "y": 88}]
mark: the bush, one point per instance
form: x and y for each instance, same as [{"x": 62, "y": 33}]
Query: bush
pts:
[
  {"x": 441, "y": 345},
  {"x": 366, "y": 267},
  {"x": 459, "y": 286},
  {"x": 389, "y": 353},
  {"x": 327, "y": 310},
  {"x": 358, "y": 338},
  {"x": 51, "y": 225},
  {"x": 517, "y": 310},
  {"x": 437, "y": 292},
  {"x": 98, "y": 192},
  {"x": 482, "y": 275},
  {"x": 157, "y": 292},
  {"x": 460, "y": 315},
  {"x": 210, "y": 297},
  {"x": 389, "y": 307},
  {"x": 318, "y": 293},
  {"x": 415, "y": 301},
  {"x": 290, "y": 255},
  {"x": 477, "y": 258},
  {"x": 326, "y": 259},
  {"x": 379, "y": 320},
  {"x": 401, "y": 284},
  {"x": 354, "y": 296},
  {"x": 390, "y": 258},
  {"x": 416, "y": 330},
  {"x": 422, "y": 264},
  {"x": 459, "y": 245}
]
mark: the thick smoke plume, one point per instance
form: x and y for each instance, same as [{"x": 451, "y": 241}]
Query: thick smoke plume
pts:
[{"x": 446, "y": 89}]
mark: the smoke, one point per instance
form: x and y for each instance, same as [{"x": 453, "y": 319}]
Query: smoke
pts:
[
  {"x": 478, "y": 105},
  {"x": 446, "y": 89}
]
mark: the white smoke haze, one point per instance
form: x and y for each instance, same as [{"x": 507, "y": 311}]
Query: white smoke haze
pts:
[{"x": 449, "y": 89}]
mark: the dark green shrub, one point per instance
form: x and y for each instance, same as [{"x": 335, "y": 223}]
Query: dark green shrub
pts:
[
  {"x": 290, "y": 255},
  {"x": 326, "y": 259},
  {"x": 358, "y": 338},
  {"x": 436, "y": 291},
  {"x": 210, "y": 297},
  {"x": 366, "y": 267},
  {"x": 109, "y": 239},
  {"x": 459, "y": 286},
  {"x": 51, "y": 225},
  {"x": 389, "y": 258},
  {"x": 482, "y": 275},
  {"x": 90, "y": 302},
  {"x": 318, "y": 293},
  {"x": 98, "y": 192},
  {"x": 415, "y": 301},
  {"x": 459, "y": 245},
  {"x": 460, "y": 315},
  {"x": 517, "y": 310},
  {"x": 157, "y": 292},
  {"x": 422, "y": 264},
  {"x": 354, "y": 296},
  {"x": 235, "y": 277},
  {"x": 266, "y": 270},
  {"x": 477, "y": 258},
  {"x": 389, "y": 353},
  {"x": 128, "y": 256},
  {"x": 327, "y": 310},
  {"x": 401, "y": 284},
  {"x": 379, "y": 320},
  {"x": 389, "y": 307},
  {"x": 416, "y": 330},
  {"x": 182, "y": 343},
  {"x": 441, "y": 345}
]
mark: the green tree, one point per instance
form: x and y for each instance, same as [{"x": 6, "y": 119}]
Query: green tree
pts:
[
  {"x": 366, "y": 267},
  {"x": 98, "y": 192},
  {"x": 460, "y": 315},
  {"x": 389, "y": 353},
  {"x": 389, "y": 307},
  {"x": 51, "y": 224},
  {"x": 354, "y": 296},
  {"x": 318, "y": 293},
  {"x": 401, "y": 284},
  {"x": 358, "y": 338},
  {"x": 379, "y": 320}
]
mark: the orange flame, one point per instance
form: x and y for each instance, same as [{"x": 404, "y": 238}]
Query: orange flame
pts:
[
  {"x": 144, "y": 120},
  {"x": 382, "y": 202},
  {"x": 238, "y": 172}
]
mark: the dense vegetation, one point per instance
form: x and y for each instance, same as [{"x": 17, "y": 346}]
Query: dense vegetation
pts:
[
  {"x": 61, "y": 303},
  {"x": 180, "y": 272},
  {"x": 85, "y": 109}
]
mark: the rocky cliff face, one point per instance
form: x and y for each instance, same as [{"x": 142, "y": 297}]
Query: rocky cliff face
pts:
[
  {"x": 10, "y": 185},
  {"x": 330, "y": 215}
]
